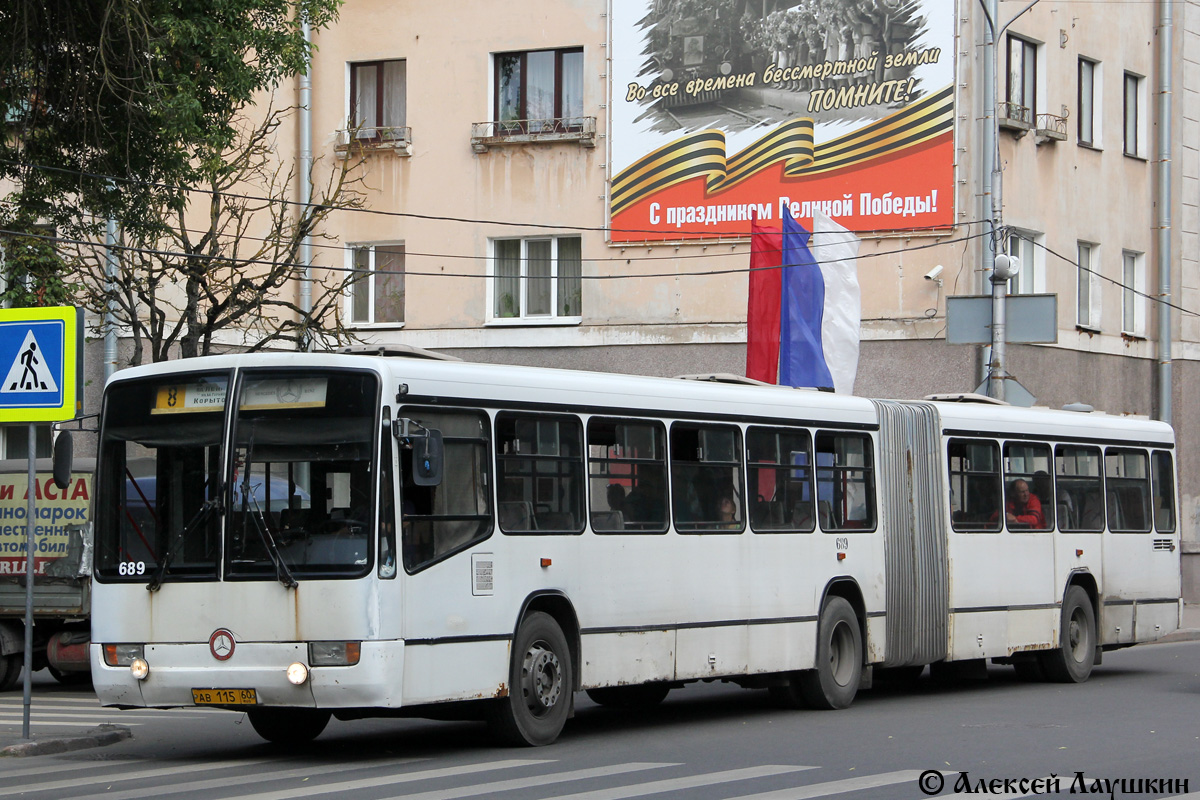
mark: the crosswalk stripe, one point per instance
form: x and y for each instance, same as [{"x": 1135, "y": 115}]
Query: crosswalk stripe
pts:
[
  {"x": 861, "y": 783},
  {"x": 93, "y": 717},
  {"x": 131, "y": 776},
  {"x": 407, "y": 777},
  {"x": 61, "y": 766},
  {"x": 240, "y": 780},
  {"x": 689, "y": 782},
  {"x": 63, "y": 723},
  {"x": 495, "y": 787}
]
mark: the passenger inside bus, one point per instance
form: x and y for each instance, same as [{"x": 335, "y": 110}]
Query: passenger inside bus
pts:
[{"x": 1024, "y": 509}]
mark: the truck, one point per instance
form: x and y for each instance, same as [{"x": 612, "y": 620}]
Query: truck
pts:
[{"x": 62, "y": 571}]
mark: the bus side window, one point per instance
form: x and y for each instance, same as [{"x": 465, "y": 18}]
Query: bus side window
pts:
[
  {"x": 1030, "y": 465},
  {"x": 706, "y": 478},
  {"x": 845, "y": 482},
  {"x": 539, "y": 472},
  {"x": 1079, "y": 487},
  {"x": 1127, "y": 490},
  {"x": 1164, "y": 492},
  {"x": 438, "y": 521},
  {"x": 975, "y": 485},
  {"x": 627, "y": 469},
  {"x": 780, "y": 477}
]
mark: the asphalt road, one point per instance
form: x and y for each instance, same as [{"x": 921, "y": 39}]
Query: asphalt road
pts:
[{"x": 1137, "y": 718}]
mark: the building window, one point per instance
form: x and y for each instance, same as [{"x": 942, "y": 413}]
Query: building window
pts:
[
  {"x": 1021, "y": 87},
  {"x": 1030, "y": 278},
  {"x": 378, "y": 102},
  {"x": 1089, "y": 96},
  {"x": 1133, "y": 290},
  {"x": 537, "y": 278},
  {"x": 539, "y": 90},
  {"x": 1087, "y": 287},
  {"x": 1134, "y": 117},
  {"x": 377, "y": 294},
  {"x": 14, "y": 441}
]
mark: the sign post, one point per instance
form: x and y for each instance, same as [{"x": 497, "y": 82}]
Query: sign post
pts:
[{"x": 40, "y": 351}]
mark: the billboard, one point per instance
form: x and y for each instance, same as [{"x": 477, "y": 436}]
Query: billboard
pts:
[
  {"x": 723, "y": 110},
  {"x": 56, "y": 509}
]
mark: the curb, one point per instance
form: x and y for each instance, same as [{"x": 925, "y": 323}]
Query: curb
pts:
[
  {"x": 1181, "y": 635},
  {"x": 97, "y": 737}
]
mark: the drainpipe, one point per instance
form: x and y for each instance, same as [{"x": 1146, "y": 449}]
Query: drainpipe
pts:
[
  {"x": 306, "y": 159},
  {"x": 110, "y": 314},
  {"x": 1163, "y": 221}
]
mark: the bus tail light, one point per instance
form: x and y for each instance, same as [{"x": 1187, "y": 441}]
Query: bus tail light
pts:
[
  {"x": 122, "y": 655},
  {"x": 334, "y": 654}
]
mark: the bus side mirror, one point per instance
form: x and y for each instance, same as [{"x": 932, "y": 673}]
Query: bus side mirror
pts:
[
  {"x": 64, "y": 452},
  {"x": 428, "y": 452}
]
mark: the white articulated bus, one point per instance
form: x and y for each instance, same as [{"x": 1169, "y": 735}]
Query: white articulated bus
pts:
[{"x": 302, "y": 535}]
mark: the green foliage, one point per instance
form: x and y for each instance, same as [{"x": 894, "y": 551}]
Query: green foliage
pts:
[
  {"x": 31, "y": 266},
  {"x": 144, "y": 91}
]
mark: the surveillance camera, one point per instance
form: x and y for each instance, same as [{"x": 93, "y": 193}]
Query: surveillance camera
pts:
[{"x": 934, "y": 273}]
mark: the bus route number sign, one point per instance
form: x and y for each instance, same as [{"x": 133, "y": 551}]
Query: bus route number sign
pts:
[{"x": 224, "y": 697}]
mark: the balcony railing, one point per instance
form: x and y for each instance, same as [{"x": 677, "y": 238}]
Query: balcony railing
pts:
[
  {"x": 1015, "y": 117},
  {"x": 529, "y": 131},
  {"x": 396, "y": 138},
  {"x": 1050, "y": 128}
]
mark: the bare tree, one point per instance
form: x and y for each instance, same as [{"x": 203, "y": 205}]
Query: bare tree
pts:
[{"x": 225, "y": 259}]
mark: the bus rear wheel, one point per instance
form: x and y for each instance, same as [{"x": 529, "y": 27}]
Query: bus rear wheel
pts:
[
  {"x": 834, "y": 683},
  {"x": 1072, "y": 661},
  {"x": 10, "y": 670},
  {"x": 647, "y": 695},
  {"x": 288, "y": 726},
  {"x": 540, "y": 686}
]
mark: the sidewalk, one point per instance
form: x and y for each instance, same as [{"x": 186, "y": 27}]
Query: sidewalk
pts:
[{"x": 62, "y": 741}]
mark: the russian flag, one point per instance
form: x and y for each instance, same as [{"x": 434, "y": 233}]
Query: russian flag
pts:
[{"x": 817, "y": 317}]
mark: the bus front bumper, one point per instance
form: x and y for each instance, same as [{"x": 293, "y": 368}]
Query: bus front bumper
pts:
[{"x": 175, "y": 670}]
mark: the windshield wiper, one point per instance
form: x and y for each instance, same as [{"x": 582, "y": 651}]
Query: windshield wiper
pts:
[
  {"x": 282, "y": 573},
  {"x": 202, "y": 514}
]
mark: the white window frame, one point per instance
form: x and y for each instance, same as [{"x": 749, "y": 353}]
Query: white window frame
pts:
[
  {"x": 524, "y": 318},
  {"x": 1095, "y": 101},
  {"x": 1025, "y": 246},
  {"x": 1141, "y": 123},
  {"x": 1089, "y": 280},
  {"x": 1133, "y": 291},
  {"x": 369, "y": 282}
]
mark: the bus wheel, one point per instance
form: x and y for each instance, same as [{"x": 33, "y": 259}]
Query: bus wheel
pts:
[
  {"x": 539, "y": 687},
  {"x": 647, "y": 695},
  {"x": 834, "y": 682},
  {"x": 10, "y": 670},
  {"x": 288, "y": 726},
  {"x": 1072, "y": 661}
]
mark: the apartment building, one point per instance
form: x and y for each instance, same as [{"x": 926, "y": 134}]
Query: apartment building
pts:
[{"x": 573, "y": 185}]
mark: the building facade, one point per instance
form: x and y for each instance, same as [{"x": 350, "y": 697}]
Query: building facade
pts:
[{"x": 575, "y": 189}]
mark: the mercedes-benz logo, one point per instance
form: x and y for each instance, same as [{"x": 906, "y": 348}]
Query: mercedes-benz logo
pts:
[
  {"x": 221, "y": 644},
  {"x": 289, "y": 392}
]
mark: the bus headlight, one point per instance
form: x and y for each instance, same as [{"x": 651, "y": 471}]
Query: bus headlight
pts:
[
  {"x": 122, "y": 655},
  {"x": 297, "y": 673},
  {"x": 333, "y": 654},
  {"x": 139, "y": 669}
]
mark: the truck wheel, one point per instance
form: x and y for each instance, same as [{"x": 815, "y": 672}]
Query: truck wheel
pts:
[
  {"x": 10, "y": 670},
  {"x": 1072, "y": 661},
  {"x": 288, "y": 726},
  {"x": 540, "y": 685},
  {"x": 834, "y": 683}
]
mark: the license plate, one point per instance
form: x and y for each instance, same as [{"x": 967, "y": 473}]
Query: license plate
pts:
[{"x": 224, "y": 697}]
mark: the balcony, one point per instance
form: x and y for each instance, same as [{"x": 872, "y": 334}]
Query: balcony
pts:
[
  {"x": 1050, "y": 128},
  {"x": 533, "y": 131},
  {"x": 395, "y": 139},
  {"x": 1015, "y": 117}
]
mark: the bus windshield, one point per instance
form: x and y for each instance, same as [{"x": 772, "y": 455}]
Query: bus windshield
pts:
[
  {"x": 294, "y": 501},
  {"x": 160, "y": 462},
  {"x": 301, "y": 488}
]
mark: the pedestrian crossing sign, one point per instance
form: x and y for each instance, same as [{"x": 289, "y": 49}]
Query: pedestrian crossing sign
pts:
[{"x": 39, "y": 363}]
